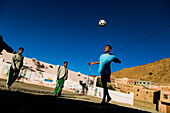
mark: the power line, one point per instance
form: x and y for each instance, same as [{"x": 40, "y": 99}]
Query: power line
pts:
[{"x": 142, "y": 39}]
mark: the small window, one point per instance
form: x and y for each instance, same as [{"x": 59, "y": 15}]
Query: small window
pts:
[
  {"x": 140, "y": 82},
  {"x": 136, "y": 94},
  {"x": 79, "y": 75},
  {"x": 150, "y": 73},
  {"x": 143, "y": 82},
  {"x": 148, "y": 83},
  {"x": 165, "y": 96},
  {"x": 146, "y": 92},
  {"x": 138, "y": 90}
]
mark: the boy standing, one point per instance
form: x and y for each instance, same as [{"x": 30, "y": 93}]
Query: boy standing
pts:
[
  {"x": 16, "y": 65},
  {"x": 105, "y": 71},
  {"x": 62, "y": 75}
]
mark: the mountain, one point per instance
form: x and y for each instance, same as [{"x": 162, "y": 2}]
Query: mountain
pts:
[{"x": 158, "y": 72}]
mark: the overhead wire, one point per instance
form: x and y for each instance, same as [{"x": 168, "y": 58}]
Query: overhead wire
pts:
[{"x": 152, "y": 34}]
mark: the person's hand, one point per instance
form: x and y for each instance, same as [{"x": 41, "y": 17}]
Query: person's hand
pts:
[
  {"x": 14, "y": 69},
  {"x": 57, "y": 77},
  {"x": 90, "y": 63}
]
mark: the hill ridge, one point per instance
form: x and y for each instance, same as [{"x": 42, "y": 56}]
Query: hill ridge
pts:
[{"x": 158, "y": 72}]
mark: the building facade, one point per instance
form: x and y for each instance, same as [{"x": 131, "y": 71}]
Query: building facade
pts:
[{"x": 164, "y": 103}]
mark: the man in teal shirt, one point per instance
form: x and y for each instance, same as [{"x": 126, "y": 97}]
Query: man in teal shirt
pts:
[
  {"x": 16, "y": 65},
  {"x": 105, "y": 71}
]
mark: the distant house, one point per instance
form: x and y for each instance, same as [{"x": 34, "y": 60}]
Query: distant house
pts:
[
  {"x": 164, "y": 103},
  {"x": 144, "y": 83}
]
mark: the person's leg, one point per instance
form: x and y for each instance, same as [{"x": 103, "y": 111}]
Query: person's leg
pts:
[
  {"x": 108, "y": 96},
  {"x": 105, "y": 91},
  {"x": 56, "y": 88},
  {"x": 60, "y": 86},
  {"x": 15, "y": 76},
  {"x": 10, "y": 75}
]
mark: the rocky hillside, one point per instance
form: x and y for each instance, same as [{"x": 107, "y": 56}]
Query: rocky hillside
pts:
[{"x": 158, "y": 72}]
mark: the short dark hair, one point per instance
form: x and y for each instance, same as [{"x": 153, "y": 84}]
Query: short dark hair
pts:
[
  {"x": 21, "y": 48},
  {"x": 110, "y": 47},
  {"x": 65, "y": 62}
]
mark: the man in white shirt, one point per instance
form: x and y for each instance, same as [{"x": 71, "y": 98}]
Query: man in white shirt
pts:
[
  {"x": 16, "y": 65},
  {"x": 62, "y": 75}
]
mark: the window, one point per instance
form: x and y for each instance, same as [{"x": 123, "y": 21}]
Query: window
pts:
[
  {"x": 137, "y": 89},
  {"x": 136, "y": 94},
  {"x": 150, "y": 73},
  {"x": 143, "y": 82},
  {"x": 146, "y": 92},
  {"x": 165, "y": 96},
  {"x": 49, "y": 66}
]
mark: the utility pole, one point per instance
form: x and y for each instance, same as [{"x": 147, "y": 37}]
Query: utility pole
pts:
[{"x": 89, "y": 73}]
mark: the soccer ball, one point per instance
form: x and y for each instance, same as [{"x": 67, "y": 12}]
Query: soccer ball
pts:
[{"x": 102, "y": 23}]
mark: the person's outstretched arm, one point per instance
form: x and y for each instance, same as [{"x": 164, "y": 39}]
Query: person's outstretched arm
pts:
[
  {"x": 91, "y": 63},
  {"x": 116, "y": 60}
]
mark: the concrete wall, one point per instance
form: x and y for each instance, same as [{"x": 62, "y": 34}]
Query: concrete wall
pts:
[{"x": 116, "y": 96}]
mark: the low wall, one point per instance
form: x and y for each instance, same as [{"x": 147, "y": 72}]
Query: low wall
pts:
[{"x": 116, "y": 96}]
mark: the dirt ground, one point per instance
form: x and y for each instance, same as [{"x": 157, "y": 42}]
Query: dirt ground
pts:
[{"x": 28, "y": 98}]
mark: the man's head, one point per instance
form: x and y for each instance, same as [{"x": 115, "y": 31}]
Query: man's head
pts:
[
  {"x": 107, "y": 48},
  {"x": 21, "y": 50},
  {"x": 65, "y": 64}
]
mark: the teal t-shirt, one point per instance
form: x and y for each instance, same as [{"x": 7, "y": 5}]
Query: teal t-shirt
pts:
[{"x": 104, "y": 66}]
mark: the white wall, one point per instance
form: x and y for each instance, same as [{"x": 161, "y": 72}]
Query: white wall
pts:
[{"x": 116, "y": 96}]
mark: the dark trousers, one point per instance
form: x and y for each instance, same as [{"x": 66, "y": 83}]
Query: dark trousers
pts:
[
  {"x": 105, "y": 79},
  {"x": 105, "y": 91},
  {"x": 12, "y": 76}
]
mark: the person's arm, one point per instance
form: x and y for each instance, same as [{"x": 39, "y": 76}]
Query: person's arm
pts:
[
  {"x": 22, "y": 62},
  {"x": 58, "y": 73},
  {"x": 66, "y": 76},
  {"x": 91, "y": 63},
  {"x": 116, "y": 60},
  {"x": 13, "y": 62}
]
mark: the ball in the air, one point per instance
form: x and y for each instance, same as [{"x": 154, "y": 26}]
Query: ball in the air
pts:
[{"x": 102, "y": 23}]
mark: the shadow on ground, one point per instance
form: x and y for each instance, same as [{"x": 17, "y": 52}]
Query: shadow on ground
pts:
[{"x": 18, "y": 102}]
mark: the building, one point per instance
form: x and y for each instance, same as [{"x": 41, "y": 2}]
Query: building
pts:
[
  {"x": 164, "y": 103},
  {"x": 131, "y": 82},
  {"x": 144, "y": 83},
  {"x": 144, "y": 94},
  {"x": 41, "y": 73}
]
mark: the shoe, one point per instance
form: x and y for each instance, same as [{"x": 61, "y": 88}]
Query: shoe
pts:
[
  {"x": 102, "y": 103},
  {"x": 109, "y": 99},
  {"x": 7, "y": 86},
  {"x": 59, "y": 94}
]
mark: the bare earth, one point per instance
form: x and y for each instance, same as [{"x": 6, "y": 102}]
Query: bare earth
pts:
[{"x": 28, "y": 98}]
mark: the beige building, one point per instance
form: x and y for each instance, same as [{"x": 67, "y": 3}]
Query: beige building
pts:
[
  {"x": 164, "y": 103},
  {"x": 42, "y": 73}
]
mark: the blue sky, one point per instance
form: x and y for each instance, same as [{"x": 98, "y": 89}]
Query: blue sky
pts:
[{"x": 54, "y": 31}]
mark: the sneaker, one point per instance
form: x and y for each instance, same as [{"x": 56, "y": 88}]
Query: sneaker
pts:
[
  {"x": 102, "y": 103},
  {"x": 109, "y": 99}
]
